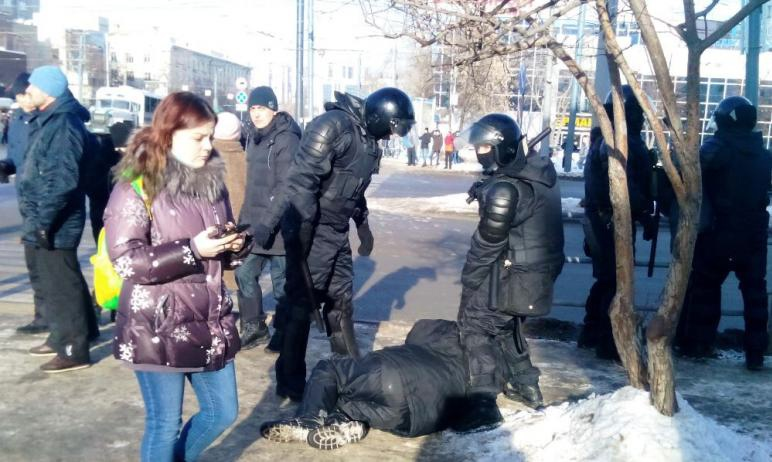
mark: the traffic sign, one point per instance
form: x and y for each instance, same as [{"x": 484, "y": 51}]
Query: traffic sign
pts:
[
  {"x": 241, "y": 97},
  {"x": 241, "y": 107},
  {"x": 241, "y": 83}
]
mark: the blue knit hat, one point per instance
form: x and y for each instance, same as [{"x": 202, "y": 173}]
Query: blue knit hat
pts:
[{"x": 50, "y": 79}]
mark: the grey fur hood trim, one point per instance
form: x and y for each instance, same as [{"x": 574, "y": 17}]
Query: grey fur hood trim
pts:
[{"x": 207, "y": 182}]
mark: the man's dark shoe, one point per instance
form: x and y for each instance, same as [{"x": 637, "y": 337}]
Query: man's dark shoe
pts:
[
  {"x": 696, "y": 351},
  {"x": 588, "y": 338},
  {"x": 288, "y": 430},
  {"x": 59, "y": 364},
  {"x": 607, "y": 349},
  {"x": 254, "y": 334},
  {"x": 274, "y": 346},
  {"x": 754, "y": 361},
  {"x": 286, "y": 393},
  {"x": 526, "y": 393},
  {"x": 42, "y": 350},
  {"x": 336, "y": 433},
  {"x": 35, "y": 327},
  {"x": 475, "y": 413}
]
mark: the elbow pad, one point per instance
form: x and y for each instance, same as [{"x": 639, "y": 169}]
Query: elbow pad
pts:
[{"x": 498, "y": 212}]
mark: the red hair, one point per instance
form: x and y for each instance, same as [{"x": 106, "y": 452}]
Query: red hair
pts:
[{"x": 148, "y": 147}]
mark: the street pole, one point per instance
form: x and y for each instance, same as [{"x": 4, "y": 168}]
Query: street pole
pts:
[
  {"x": 568, "y": 141},
  {"x": 299, "y": 63},
  {"x": 602, "y": 79},
  {"x": 214, "y": 92},
  {"x": 311, "y": 58},
  {"x": 752, "y": 56},
  {"x": 81, "y": 53},
  {"x": 550, "y": 80}
]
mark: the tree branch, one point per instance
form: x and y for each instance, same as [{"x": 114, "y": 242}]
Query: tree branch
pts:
[{"x": 730, "y": 23}]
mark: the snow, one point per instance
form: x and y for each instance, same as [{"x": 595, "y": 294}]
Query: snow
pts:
[
  {"x": 621, "y": 426},
  {"x": 450, "y": 204}
]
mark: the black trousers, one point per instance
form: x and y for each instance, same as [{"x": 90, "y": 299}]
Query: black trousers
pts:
[
  {"x": 332, "y": 276},
  {"x": 68, "y": 307},
  {"x": 701, "y": 314},
  {"x": 34, "y": 280},
  {"x": 599, "y": 237},
  {"x": 448, "y": 159},
  {"x": 496, "y": 350}
]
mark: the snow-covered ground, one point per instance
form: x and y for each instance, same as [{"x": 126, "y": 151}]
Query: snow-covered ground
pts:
[
  {"x": 449, "y": 204},
  {"x": 620, "y": 426}
]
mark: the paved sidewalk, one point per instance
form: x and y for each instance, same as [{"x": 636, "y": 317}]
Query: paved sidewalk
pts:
[{"x": 97, "y": 413}]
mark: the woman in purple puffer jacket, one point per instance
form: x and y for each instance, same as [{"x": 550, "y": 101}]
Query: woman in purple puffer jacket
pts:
[{"x": 174, "y": 318}]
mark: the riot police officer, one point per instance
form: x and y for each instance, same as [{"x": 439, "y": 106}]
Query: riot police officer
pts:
[
  {"x": 515, "y": 256},
  {"x": 325, "y": 189},
  {"x": 733, "y": 233},
  {"x": 598, "y": 224}
]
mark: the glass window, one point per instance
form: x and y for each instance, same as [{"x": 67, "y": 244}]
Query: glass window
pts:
[{"x": 716, "y": 92}]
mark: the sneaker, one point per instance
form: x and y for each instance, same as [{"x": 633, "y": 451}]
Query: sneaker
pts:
[
  {"x": 42, "y": 350},
  {"x": 754, "y": 361},
  {"x": 337, "y": 435},
  {"x": 34, "y": 327},
  {"x": 288, "y": 430},
  {"x": 59, "y": 364},
  {"x": 254, "y": 334}
]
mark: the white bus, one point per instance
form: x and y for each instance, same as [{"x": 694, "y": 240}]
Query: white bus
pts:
[{"x": 122, "y": 104}]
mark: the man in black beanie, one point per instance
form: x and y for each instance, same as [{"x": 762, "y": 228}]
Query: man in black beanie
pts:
[{"x": 272, "y": 139}]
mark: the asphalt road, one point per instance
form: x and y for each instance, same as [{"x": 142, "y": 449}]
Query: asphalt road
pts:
[{"x": 415, "y": 269}]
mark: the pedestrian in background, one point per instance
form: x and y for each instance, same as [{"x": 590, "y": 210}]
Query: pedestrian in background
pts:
[
  {"x": 273, "y": 139},
  {"x": 227, "y": 134},
  {"x": 409, "y": 145},
  {"x": 450, "y": 149},
  {"x": 18, "y": 139},
  {"x": 170, "y": 235},
  {"x": 426, "y": 139},
  {"x": 53, "y": 209},
  {"x": 436, "y": 147}
]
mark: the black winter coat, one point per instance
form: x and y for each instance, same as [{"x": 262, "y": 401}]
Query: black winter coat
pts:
[
  {"x": 269, "y": 155},
  {"x": 736, "y": 172},
  {"x": 51, "y": 195},
  {"x": 421, "y": 379}
]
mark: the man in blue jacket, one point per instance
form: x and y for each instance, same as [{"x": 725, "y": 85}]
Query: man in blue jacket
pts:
[
  {"x": 18, "y": 137},
  {"x": 52, "y": 205}
]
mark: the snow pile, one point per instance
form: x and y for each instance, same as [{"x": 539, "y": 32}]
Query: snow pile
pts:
[
  {"x": 621, "y": 426},
  {"x": 449, "y": 204}
]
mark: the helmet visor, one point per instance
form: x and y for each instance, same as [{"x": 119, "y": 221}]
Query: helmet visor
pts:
[
  {"x": 401, "y": 127},
  {"x": 478, "y": 134}
]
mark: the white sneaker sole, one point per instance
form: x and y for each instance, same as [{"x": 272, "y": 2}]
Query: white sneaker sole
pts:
[
  {"x": 336, "y": 436},
  {"x": 283, "y": 433},
  {"x": 42, "y": 355}
]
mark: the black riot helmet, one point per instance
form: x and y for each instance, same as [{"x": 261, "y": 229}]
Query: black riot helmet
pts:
[
  {"x": 633, "y": 111},
  {"x": 735, "y": 112},
  {"x": 502, "y": 134},
  {"x": 388, "y": 111}
]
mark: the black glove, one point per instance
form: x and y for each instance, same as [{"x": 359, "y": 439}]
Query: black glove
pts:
[
  {"x": 366, "y": 239},
  {"x": 261, "y": 234},
  {"x": 44, "y": 239},
  {"x": 473, "y": 191},
  {"x": 649, "y": 226},
  {"x": 6, "y": 169}
]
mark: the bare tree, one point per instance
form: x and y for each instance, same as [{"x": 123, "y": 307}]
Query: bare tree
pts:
[{"x": 478, "y": 30}]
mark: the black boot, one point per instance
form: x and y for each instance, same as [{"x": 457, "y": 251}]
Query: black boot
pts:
[
  {"x": 588, "y": 337},
  {"x": 606, "y": 348},
  {"x": 476, "y": 412},
  {"x": 35, "y": 327},
  {"x": 274, "y": 346},
  {"x": 343, "y": 340},
  {"x": 526, "y": 393},
  {"x": 254, "y": 334},
  {"x": 754, "y": 360}
]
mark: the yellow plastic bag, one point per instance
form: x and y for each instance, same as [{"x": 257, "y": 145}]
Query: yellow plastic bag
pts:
[{"x": 107, "y": 282}]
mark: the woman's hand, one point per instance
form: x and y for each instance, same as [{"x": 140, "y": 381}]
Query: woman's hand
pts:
[{"x": 209, "y": 247}]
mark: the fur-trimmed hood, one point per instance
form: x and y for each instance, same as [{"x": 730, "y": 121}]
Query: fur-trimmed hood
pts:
[{"x": 207, "y": 182}]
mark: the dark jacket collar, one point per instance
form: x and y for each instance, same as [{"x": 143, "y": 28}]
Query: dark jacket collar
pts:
[
  {"x": 61, "y": 105},
  {"x": 282, "y": 122}
]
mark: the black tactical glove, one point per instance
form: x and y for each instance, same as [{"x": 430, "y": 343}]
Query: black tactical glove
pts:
[
  {"x": 473, "y": 190},
  {"x": 44, "y": 239},
  {"x": 366, "y": 239},
  {"x": 649, "y": 226},
  {"x": 261, "y": 234},
  {"x": 6, "y": 170}
]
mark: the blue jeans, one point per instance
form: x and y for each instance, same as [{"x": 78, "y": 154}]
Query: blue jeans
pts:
[
  {"x": 163, "y": 393},
  {"x": 248, "y": 280}
]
